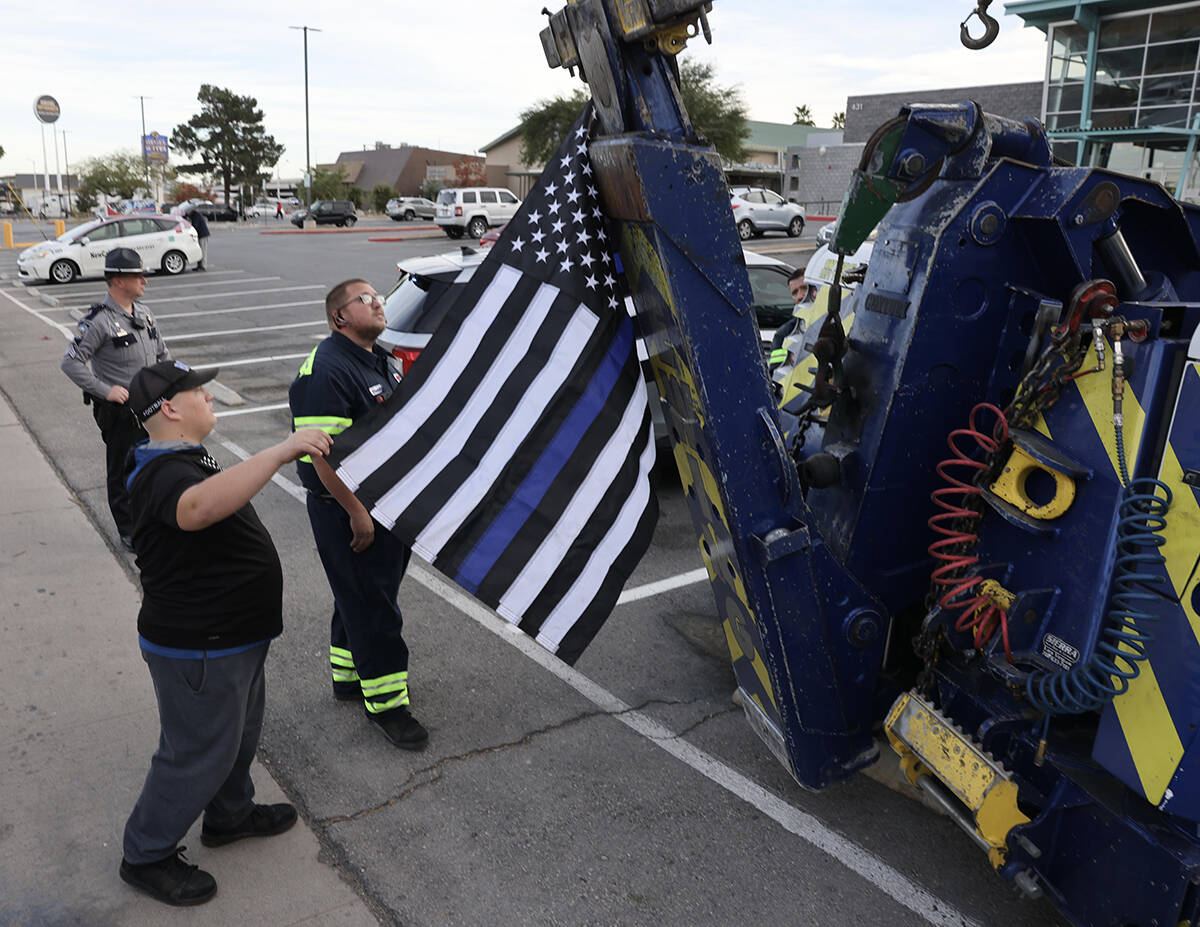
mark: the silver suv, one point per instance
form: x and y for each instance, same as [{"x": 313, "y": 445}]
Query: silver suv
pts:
[
  {"x": 401, "y": 208},
  {"x": 757, "y": 210},
  {"x": 474, "y": 210}
]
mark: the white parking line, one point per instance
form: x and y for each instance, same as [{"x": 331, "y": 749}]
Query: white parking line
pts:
[
  {"x": 155, "y": 287},
  {"x": 251, "y": 360},
  {"x": 161, "y": 288},
  {"x": 663, "y": 585},
  {"x": 34, "y": 312},
  {"x": 185, "y": 315},
  {"x": 71, "y": 289},
  {"x": 870, "y": 867},
  {"x": 279, "y": 405},
  {"x": 179, "y": 299},
  {"x": 241, "y": 331}
]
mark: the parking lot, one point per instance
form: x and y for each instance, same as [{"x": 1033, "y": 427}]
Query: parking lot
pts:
[{"x": 629, "y": 790}]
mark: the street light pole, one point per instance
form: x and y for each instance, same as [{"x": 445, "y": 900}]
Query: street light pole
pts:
[
  {"x": 145, "y": 159},
  {"x": 307, "y": 155},
  {"x": 67, "y": 165}
]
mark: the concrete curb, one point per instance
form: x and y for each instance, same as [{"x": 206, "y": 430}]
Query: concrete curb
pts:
[
  {"x": 223, "y": 394},
  {"x": 79, "y": 724}
]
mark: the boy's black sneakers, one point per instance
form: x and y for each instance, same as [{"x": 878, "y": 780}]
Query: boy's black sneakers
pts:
[
  {"x": 262, "y": 821},
  {"x": 172, "y": 880}
]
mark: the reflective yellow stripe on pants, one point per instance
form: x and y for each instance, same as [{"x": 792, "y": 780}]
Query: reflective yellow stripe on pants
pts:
[{"x": 385, "y": 692}]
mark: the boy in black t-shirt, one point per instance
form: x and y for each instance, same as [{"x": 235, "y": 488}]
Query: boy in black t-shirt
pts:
[{"x": 213, "y": 600}]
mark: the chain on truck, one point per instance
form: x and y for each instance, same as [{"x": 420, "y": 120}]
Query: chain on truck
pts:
[{"x": 976, "y": 523}]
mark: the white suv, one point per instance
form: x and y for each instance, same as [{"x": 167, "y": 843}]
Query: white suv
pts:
[{"x": 474, "y": 210}]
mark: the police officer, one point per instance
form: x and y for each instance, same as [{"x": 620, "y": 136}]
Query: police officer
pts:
[
  {"x": 344, "y": 377},
  {"x": 117, "y": 337}
]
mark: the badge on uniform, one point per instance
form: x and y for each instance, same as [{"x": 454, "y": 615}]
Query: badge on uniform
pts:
[{"x": 376, "y": 390}]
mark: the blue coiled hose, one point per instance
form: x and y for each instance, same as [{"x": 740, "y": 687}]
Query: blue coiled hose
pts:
[{"x": 1091, "y": 685}]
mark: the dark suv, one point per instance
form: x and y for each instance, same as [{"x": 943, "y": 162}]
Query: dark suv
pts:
[{"x": 327, "y": 212}]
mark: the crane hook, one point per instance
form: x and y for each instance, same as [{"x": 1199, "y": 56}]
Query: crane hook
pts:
[{"x": 991, "y": 28}]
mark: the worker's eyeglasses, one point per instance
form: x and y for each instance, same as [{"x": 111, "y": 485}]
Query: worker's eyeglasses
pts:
[{"x": 367, "y": 299}]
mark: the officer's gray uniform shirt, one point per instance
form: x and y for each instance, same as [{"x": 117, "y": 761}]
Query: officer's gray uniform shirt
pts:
[{"x": 116, "y": 344}]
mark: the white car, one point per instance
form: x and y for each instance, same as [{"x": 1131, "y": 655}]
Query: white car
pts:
[
  {"x": 757, "y": 210},
  {"x": 264, "y": 209},
  {"x": 166, "y": 243}
]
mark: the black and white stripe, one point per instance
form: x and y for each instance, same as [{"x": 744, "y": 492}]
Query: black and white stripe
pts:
[{"x": 516, "y": 454}]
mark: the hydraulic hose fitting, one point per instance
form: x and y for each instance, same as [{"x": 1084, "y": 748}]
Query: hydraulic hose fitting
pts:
[{"x": 1117, "y": 331}]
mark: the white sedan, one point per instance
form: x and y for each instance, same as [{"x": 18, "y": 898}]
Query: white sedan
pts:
[{"x": 166, "y": 243}]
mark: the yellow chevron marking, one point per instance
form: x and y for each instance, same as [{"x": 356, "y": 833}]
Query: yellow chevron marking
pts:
[
  {"x": 1096, "y": 390},
  {"x": 1182, "y": 534},
  {"x": 1150, "y": 734},
  {"x": 1153, "y": 741}
]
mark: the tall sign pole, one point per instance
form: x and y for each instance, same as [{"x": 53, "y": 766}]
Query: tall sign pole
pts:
[
  {"x": 46, "y": 109},
  {"x": 67, "y": 165},
  {"x": 307, "y": 154},
  {"x": 145, "y": 157}
]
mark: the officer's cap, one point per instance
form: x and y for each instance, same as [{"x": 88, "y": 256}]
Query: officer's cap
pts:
[
  {"x": 154, "y": 385},
  {"x": 123, "y": 261}
]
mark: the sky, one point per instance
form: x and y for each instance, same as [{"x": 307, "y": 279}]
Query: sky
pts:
[{"x": 452, "y": 75}]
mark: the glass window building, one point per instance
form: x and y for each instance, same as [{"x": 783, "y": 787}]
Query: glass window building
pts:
[{"x": 1121, "y": 87}]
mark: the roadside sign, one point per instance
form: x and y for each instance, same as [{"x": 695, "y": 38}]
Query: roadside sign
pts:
[
  {"x": 154, "y": 147},
  {"x": 46, "y": 108}
]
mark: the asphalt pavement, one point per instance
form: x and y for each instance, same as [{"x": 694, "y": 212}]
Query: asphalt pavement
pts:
[{"x": 628, "y": 790}]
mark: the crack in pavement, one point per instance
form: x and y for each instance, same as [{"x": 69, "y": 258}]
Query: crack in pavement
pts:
[{"x": 434, "y": 772}]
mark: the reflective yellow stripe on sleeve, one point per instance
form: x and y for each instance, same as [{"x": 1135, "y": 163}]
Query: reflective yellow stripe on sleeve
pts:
[
  {"x": 306, "y": 367},
  {"x": 330, "y": 424}
]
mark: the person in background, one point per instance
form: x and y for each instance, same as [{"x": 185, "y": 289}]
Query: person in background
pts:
[
  {"x": 802, "y": 294},
  {"x": 345, "y": 377},
  {"x": 212, "y": 602},
  {"x": 114, "y": 341},
  {"x": 200, "y": 223}
]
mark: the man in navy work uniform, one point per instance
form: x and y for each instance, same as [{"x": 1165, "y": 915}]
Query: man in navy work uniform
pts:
[
  {"x": 117, "y": 338},
  {"x": 212, "y": 601},
  {"x": 344, "y": 377}
]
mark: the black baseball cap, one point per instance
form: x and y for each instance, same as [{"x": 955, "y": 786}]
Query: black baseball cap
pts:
[
  {"x": 152, "y": 386},
  {"x": 123, "y": 261}
]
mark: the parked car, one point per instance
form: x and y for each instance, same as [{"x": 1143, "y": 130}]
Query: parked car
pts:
[
  {"x": 772, "y": 300},
  {"x": 825, "y": 234},
  {"x": 265, "y": 209},
  {"x": 168, "y": 243},
  {"x": 327, "y": 212},
  {"x": 757, "y": 210},
  {"x": 402, "y": 208},
  {"x": 215, "y": 212},
  {"x": 428, "y": 287},
  {"x": 473, "y": 210}
]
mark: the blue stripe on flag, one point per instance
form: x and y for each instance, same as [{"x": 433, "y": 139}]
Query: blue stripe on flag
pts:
[{"x": 528, "y": 496}]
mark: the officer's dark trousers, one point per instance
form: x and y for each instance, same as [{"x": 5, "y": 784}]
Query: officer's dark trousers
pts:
[
  {"x": 366, "y": 618},
  {"x": 210, "y": 711},
  {"x": 120, "y": 430}
]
